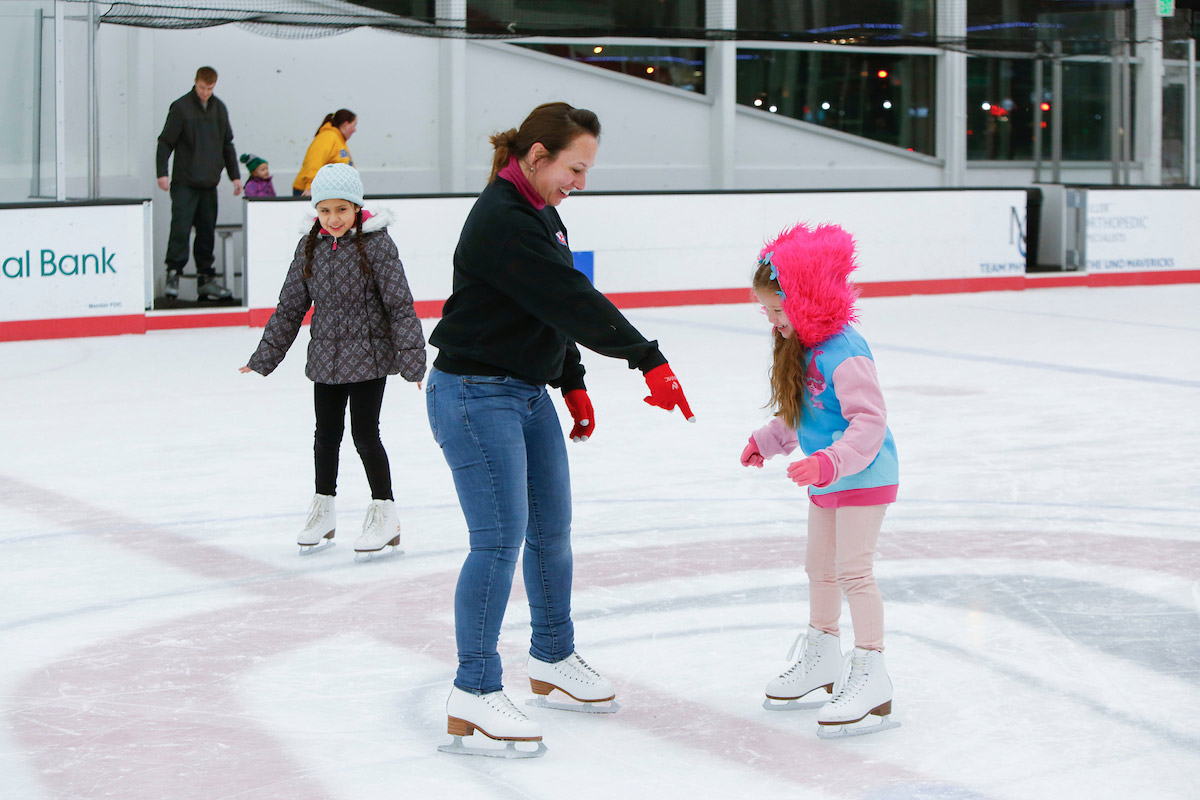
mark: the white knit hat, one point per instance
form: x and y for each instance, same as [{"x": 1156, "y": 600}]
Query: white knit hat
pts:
[{"x": 339, "y": 181}]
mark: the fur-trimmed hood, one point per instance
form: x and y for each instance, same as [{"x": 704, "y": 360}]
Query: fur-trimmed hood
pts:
[
  {"x": 372, "y": 221},
  {"x": 813, "y": 266}
]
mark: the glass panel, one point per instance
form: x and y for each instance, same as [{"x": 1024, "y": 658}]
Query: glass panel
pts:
[
  {"x": 1083, "y": 28},
  {"x": 586, "y": 17},
  {"x": 27, "y": 161},
  {"x": 1000, "y": 109},
  {"x": 844, "y": 21},
  {"x": 1174, "y": 122},
  {"x": 681, "y": 67},
  {"x": 879, "y": 95},
  {"x": 1086, "y": 99}
]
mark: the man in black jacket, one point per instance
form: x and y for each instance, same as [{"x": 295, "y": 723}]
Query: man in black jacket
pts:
[{"x": 197, "y": 131}]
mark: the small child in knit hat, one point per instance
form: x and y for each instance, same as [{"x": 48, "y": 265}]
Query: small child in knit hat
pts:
[{"x": 259, "y": 183}]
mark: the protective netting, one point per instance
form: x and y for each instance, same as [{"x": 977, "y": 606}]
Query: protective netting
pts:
[{"x": 979, "y": 26}]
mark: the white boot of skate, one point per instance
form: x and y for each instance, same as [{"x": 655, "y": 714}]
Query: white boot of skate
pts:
[
  {"x": 496, "y": 718},
  {"x": 864, "y": 689},
  {"x": 573, "y": 677},
  {"x": 818, "y": 669},
  {"x": 381, "y": 528},
  {"x": 321, "y": 524}
]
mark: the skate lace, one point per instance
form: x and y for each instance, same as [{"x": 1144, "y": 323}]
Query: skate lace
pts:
[
  {"x": 373, "y": 520},
  {"x": 315, "y": 513},
  {"x": 805, "y": 661},
  {"x": 576, "y": 661},
  {"x": 499, "y": 702},
  {"x": 851, "y": 678}
]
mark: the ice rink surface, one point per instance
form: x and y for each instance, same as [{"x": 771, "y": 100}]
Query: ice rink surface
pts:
[{"x": 161, "y": 638}]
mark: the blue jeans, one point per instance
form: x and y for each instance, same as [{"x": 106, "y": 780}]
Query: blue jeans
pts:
[{"x": 505, "y": 447}]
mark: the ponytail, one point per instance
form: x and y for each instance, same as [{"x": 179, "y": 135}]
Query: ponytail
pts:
[
  {"x": 337, "y": 119},
  {"x": 310, "y": 247},
  {"x": 363, "y": 262},
  {"x": 503, "y": 145},
  {"x": 553, "y": 125}
]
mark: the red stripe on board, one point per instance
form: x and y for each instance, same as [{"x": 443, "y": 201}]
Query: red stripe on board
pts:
[
  {"x": 432, "y": 309},
  {"x": 72, "y": 327},
  {"x": 175, "y": 321},
  {"x": 942, "y": 286},
  {"x": 1143, "y": 278}
]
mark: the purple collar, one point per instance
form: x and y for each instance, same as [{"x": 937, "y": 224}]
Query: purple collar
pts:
[{"x": 513, "y": 174}]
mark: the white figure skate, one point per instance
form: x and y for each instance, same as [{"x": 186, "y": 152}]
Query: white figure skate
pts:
[
  {"x": 320, "y": 527},
  {"x": 591, "y": 693},
  {"x": 381, "y": 529},
  {"x": 494, "y": 716},
  {"x": 863, "y": 690},
  {"x": 817, "y": 670}
]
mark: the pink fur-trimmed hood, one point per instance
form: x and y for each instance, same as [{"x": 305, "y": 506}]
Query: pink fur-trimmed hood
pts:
[{"x": 813, "y": 267}]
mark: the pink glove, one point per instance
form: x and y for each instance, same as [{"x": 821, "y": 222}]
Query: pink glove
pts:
[
  {"x": 665, "y": 391},
  {"x": 808, "y": 470},
  {"x": 750, "y": 456},
  {"x": 580, "y": 406}
]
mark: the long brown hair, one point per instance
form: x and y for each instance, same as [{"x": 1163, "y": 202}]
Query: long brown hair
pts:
[
  {"x": 787, "y": 365},
  {"x": 337, "y": 119},
  {"x": 314, "y": 233},
  {"x": 555, "y": 125}
]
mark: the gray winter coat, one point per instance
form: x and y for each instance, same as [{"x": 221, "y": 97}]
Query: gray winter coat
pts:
[{"x": 363, "y": 326}]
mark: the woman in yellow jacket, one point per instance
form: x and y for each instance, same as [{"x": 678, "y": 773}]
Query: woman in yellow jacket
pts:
[{"x": 328, "y": 147}]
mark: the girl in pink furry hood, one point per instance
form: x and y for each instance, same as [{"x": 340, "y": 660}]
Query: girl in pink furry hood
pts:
[{"x": 828, "y": 403}]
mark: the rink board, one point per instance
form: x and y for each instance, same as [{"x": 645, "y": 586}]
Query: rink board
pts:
[
  {"x": 665, "y": 248},
  {"x": 71, "y": 270}
]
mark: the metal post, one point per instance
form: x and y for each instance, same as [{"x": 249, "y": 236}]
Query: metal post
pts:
[
  {"x": 60, "y": 102},
  {"x": 1056, "y": 113},
  {"x": 1127, "y": 104},
  {"x": 92, "y": 106},
  {"x": 35, "y": 189},
  {"x": 1189, "y": 135},
  {"x": 452, "y": 93},
  {"x": 1037, "y": 117},
  {"x": 1114, "y": 111}
]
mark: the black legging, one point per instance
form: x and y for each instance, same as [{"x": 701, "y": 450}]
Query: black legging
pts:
[{"x": 329, "y": 402}]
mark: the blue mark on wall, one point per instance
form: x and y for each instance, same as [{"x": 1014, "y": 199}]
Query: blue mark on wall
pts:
[{"x": 584, "y": 262}]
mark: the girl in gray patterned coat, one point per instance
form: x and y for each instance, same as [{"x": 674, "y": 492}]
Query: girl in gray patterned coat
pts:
[{"x": 363, "y": 329}]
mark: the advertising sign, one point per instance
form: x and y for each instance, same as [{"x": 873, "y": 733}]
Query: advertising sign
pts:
[
  {"x": 1141, "y": 230},
  {"x": 63, "y": 264}
]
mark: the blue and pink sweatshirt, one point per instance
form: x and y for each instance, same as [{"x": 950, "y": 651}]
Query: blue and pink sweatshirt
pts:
[{"x": 843, "y": 423}]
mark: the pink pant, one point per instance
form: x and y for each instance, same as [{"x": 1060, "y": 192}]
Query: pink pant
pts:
[{"x": 841, "y": 552}]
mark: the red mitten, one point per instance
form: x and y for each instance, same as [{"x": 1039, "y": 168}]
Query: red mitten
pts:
[
  {"x": 750, "y": 456},
  {"x": 580, "y": 406},
  {"x": 665, "y": 391},
  {"x": 816, "y": 469}
]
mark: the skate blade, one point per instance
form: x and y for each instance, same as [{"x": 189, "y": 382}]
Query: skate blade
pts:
[
  {"x": 794, "y": 704},
  {"x": 602, "y": 707},
  {"x": 363, "y": 556},
  {"x": 309, "y": 549},
  {"x": 510, "y": 749},
  {"x": 861, "y": 728}
]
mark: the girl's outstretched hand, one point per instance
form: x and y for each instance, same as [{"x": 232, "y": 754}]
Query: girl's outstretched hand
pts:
[
  {"x": 750, "y": 456},
  {"x": 665, "y": 391},
  {"x": 580, "y": 406},
  {"x": 805, "y": 471},
  {"x": 244, "y": 369}
]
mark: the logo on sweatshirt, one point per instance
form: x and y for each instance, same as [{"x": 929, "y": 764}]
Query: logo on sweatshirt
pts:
[{"x": 561, "y": 239}]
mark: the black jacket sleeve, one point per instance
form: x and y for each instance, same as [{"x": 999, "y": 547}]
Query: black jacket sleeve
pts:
[{"x": 531, "y": 272}]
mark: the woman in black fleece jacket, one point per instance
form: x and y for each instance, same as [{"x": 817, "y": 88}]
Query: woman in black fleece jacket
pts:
[{"x": 511, "y": 327}]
